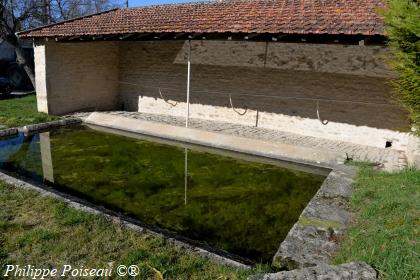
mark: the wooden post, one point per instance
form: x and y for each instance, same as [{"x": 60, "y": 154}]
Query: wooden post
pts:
[{"x": 187, "y": 115}]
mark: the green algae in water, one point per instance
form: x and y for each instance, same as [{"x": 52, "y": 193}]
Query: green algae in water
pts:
[{"x": 243, "y": 207}]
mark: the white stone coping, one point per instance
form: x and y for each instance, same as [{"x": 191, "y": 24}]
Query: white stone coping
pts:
[{"x": 250, "y": 146}]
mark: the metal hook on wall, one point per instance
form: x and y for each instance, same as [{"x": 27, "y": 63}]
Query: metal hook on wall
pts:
[
  {"x": 233, "y": 108},
  {"x": 324, "y": 122},
  {"x": 166, "y": 101}
]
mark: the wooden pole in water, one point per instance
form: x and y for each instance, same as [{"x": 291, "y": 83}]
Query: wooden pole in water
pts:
[{"x": 188, "y": 84}]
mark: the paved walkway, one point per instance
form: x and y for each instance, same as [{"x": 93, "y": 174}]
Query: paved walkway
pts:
[{"x": 391, "y": 159}]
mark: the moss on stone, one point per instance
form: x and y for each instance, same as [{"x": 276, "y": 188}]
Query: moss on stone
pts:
[{"x": 320, "y": 223}]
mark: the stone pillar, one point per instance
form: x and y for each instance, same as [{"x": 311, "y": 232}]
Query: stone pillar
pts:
[{"x": 41, "y": 77}]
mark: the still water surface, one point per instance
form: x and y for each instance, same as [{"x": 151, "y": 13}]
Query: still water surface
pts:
[{"x": 240, "y": 206}]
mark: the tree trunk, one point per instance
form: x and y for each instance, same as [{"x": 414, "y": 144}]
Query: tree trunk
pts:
[
  {"x": 22, "y": 62},
  {"x": 21, "y": 59}
]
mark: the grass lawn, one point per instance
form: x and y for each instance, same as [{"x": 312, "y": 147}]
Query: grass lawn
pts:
[
  {"x": 386, "y": 234},
  {"x": 46, "y": 233},
  {"x": 19, "y": 111}
]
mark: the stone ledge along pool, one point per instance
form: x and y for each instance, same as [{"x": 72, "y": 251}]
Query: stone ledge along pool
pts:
[{"x": 244, "y": 206}]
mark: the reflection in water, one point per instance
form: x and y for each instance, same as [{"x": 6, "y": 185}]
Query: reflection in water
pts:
[
  {"x": 186, "y": 176},
  {"x": 243, "y": 207},
  {"x": 22, "y": 146},
  {"x": 46, "y": 158},
  {"x": 9, "y": 147}
]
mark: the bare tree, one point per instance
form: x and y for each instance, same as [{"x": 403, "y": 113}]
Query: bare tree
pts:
[
  {"x": 17, "y": 15},
  {"x": 13, "y": 15},
  {"x": 67, "y": 9}
]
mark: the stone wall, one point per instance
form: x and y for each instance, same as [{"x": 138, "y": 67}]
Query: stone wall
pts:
[
  {"x": 277, "y": 83},
  {"x": 76, "y": 76},
  {"x": 326, "y": 58},
  {"x": 274, "y": 84}
]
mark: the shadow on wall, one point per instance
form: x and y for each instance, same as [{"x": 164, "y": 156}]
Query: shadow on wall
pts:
[{"x": 350, "y": 86}]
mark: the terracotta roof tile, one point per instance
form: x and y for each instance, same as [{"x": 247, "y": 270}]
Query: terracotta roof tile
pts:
[{"x": 248, "y": 16}]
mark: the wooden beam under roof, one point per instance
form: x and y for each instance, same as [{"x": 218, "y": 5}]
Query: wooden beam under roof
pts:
[
  {"x": 123, "y": 37},
  {"x": 178, "y": 35},
  {"x": 224, "y": 36}
]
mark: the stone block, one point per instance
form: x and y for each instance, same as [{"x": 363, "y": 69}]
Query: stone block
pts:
[
  {"x": 348, "y": 271},
  {"x": 8, "y": 132}
]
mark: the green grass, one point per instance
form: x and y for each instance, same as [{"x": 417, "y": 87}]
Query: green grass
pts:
[
  {"x": 386, "y": 233},
  {"x": 47, "y": 233},
  {"x": 21, "y": 111}
]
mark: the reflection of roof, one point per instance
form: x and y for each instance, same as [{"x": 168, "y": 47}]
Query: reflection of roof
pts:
[{"x": 229, "y": 16}]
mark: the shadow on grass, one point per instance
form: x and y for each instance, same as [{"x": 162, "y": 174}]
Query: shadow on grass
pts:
[{"x": 16, "y": 95}]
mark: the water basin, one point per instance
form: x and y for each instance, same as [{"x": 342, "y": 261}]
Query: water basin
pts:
[{"x": 234, "y": 203}]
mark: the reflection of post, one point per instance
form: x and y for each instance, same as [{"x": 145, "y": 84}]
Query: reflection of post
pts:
[
  {"x": 47, "y": 165},
  {"x": 186, "y": 176}
]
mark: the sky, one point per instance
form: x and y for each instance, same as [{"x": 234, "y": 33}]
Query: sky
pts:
[{"x": 136, "y": 3}]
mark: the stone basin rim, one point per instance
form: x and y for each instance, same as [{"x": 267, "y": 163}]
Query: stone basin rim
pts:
[{"x": 333, "y": 168}]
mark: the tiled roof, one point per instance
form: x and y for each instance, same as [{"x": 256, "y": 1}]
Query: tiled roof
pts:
[{"x": 248, "y": 16}]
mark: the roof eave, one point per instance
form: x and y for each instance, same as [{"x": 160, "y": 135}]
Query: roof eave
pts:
[{"x": 341, "y": 38}]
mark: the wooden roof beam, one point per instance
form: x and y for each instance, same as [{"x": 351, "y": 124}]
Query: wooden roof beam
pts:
[
  {"x": 142, "y": 36},
  {"x": 195, "y": 35},
  {"x": 73, "y": 38},
  {"x": 123, "y": 37},
  {"x": 179, "y": 35}
]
